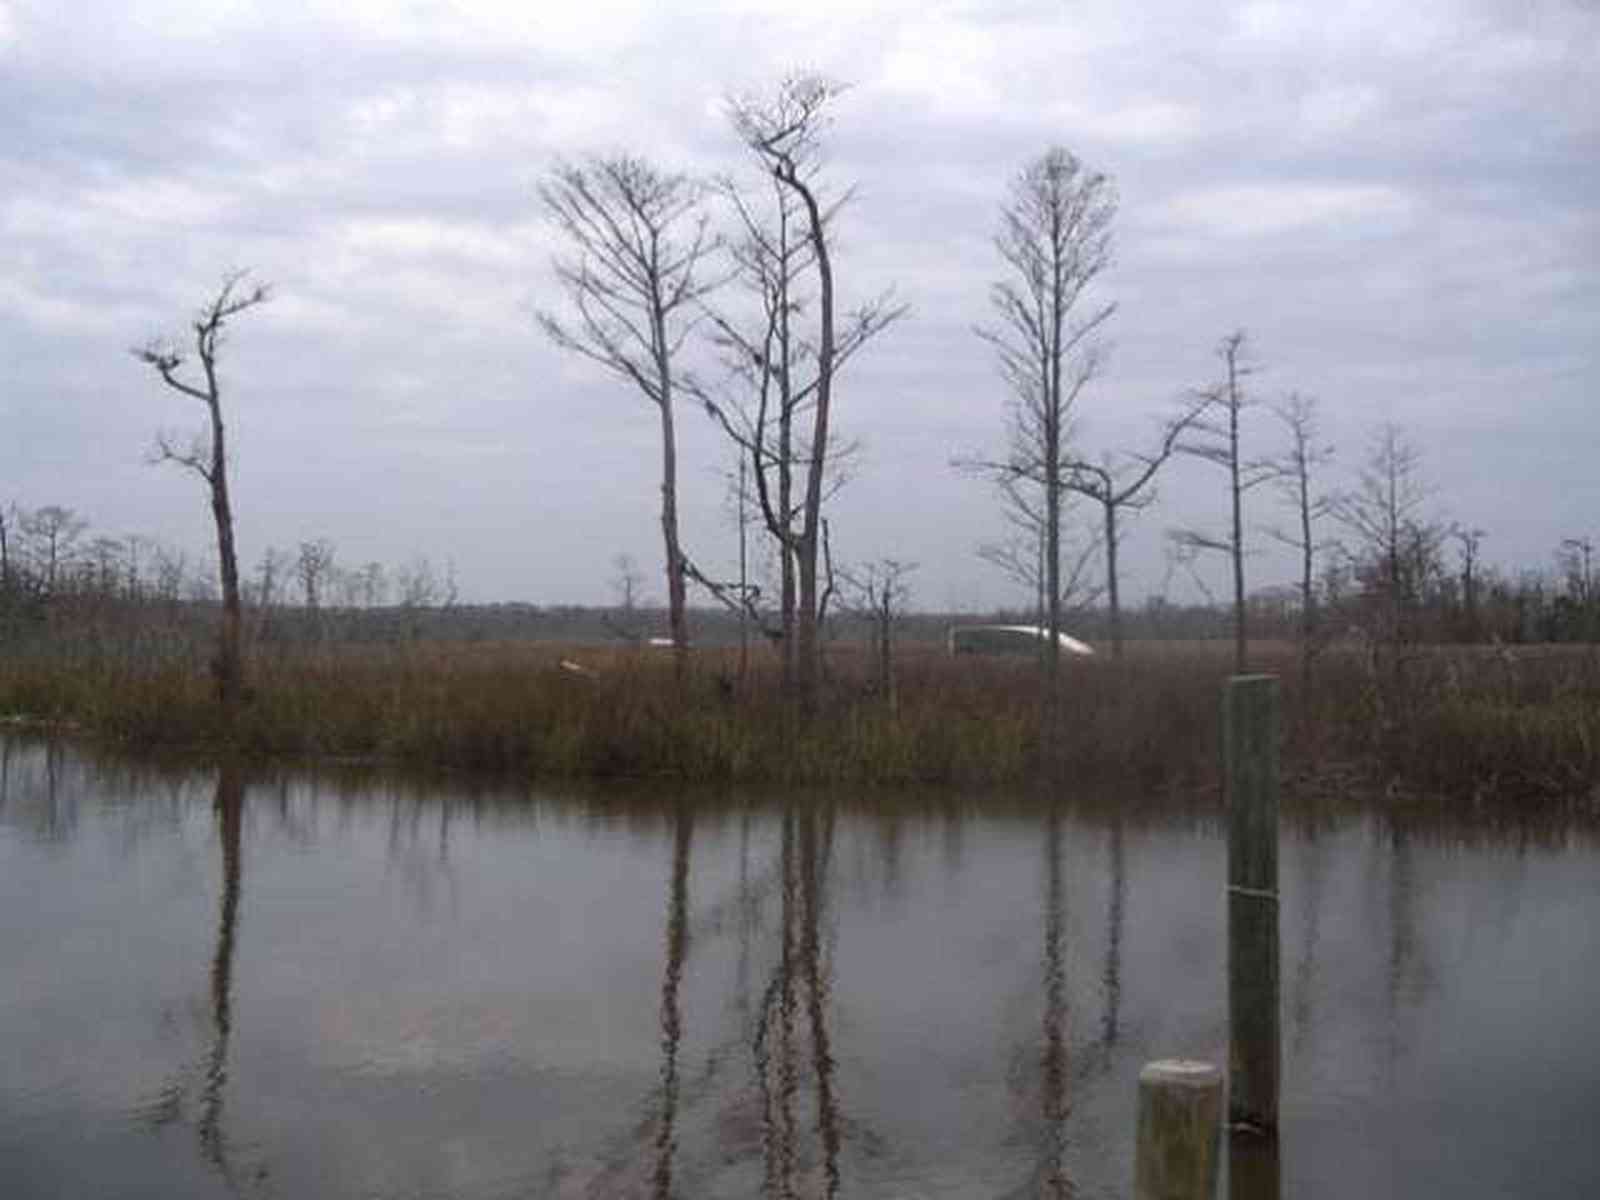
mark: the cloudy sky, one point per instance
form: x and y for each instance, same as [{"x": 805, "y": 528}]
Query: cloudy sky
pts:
[{"x": 1398, "y": 202}]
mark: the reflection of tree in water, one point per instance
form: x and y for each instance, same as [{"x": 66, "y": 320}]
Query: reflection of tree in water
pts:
[
  {"x": 31, "y": 787},
  {"x": 1116, "y": 911},
  {"x": 423, "y": 867},
  {"x": 1313, "y": 875},
  {"x": 677, "y": 938},
  {"x": 1407, "y": 972},
  {"x": 1043, "y": 1077},
  {"x": 208, "y": 1080},
  {"x": 228, "y": 807},
  {"x": 1054, "y": 1103},
  {"x": 785, "y": 1030},
  {"x": 807, "y": 843},
  {"x": 5, "y": 773}
]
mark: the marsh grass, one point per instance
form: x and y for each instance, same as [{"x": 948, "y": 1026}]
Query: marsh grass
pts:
[{"x": 1441, "y": 721}]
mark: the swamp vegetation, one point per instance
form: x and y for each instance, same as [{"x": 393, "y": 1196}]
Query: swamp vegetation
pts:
[{"x": 1484, "y": 725}]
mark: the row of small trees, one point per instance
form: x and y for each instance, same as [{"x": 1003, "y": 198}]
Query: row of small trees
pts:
[{"x": 53, "y": 564}]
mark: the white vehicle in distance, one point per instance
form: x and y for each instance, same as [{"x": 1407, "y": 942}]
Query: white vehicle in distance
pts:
[{"x": 1009, "y": 639}]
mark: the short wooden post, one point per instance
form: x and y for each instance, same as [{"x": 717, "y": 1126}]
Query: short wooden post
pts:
[
  {"x": 1180, "y": 1116},
  {"x": 1250, "y": 728}
]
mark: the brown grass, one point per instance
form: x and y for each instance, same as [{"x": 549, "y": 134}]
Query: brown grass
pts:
[{"x": 1466, "y": 724}]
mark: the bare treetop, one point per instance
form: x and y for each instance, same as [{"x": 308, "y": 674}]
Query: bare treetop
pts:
[
  {"x": 209, "y": 324},
  {"x": 639, "y": 235},
  {"x": 786, "y": 128}
]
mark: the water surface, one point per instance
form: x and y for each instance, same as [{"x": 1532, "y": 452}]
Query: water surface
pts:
[{"x": 221, "y": 983}]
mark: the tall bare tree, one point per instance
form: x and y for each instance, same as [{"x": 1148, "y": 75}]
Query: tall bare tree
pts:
[
  {"x": 637, "y": 238},
  {"x": 1297, "y": 469},
  {"x": 1055, "y": 240},
  {"x": 767, "y": 404},
  {"x": 1216, "y": 437},
  {"x": 206, "y": 454},
  {"x": 797, "y": 349}
]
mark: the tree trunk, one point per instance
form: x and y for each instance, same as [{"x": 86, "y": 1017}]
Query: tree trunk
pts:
[
  {"x": 677, "y": 599},
  {"x": 1237, "y": 544},
  {"x": 1308, "y": 595},
  {"x": 808, "y": 665},
  {"x": 230, "y": 666},
  {"x": 1052, "y": 553},
  {"x": 809, "y": 647},
  {"x": 1112, "y": 602}
]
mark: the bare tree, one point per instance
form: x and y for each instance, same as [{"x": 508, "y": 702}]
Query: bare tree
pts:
[
  {"x": 9, "y": 517},
  {"x": 638, "y": 237},
  {"x": 627, "y": 583},
  {"x": 784, "y": 133},
  {"x": 1575, "y": 562},
  {"x": 1020, "y": 556},
  {"x": 1397, "y": 544},
  {"x": 1297, "y": 469},
  {"x": 51, "y": 535},
  {"x": 1469, "y": 548},
  {"x": 879, "y": 591},
  {"x": 1055, "y": 240},
  {"x": 207, "y": 456},
  {"x": 766, "y": 403},
  {"x": 1215, "y": 437},
  {"x": 314, "y": 567},
  {"x": 271, "y": 569},
  {"x": 1124, "y": 484}
]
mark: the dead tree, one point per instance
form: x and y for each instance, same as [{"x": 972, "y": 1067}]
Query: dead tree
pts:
[
  {"x": 1215, "y": 437},
  {"x": 878, "y": 592},
  {"x": 637, "y": 238},
  {"x": 1126, "y": 484},
  {"x": 1297, "y": 468},
  {"x": 1469, "y": 544},
  {"x": 1055, "y": 240},
  {"x": 784, "y": 133},
  {"x": 1397, "y": 545},
  {"x": 206, "y": 455},
  {"x": 766, "y": 405}
]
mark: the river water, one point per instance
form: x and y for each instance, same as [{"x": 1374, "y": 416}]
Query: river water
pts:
[{"x": 229, "y": 983}]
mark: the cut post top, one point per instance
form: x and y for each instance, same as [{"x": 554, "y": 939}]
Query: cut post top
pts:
[{"x": 1184, "y": 1072}]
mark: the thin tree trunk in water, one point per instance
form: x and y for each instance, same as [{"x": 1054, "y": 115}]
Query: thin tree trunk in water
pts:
[
  {"x": 671, "y": 1009},
  {"x": 229, "y": 805}
]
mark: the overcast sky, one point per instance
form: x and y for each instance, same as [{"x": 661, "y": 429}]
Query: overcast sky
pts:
[{"x": 1398, "y": 202}]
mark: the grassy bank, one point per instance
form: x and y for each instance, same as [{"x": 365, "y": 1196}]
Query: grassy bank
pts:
[{"x": 1460, "y": 723}]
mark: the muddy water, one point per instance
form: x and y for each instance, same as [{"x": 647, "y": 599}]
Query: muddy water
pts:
[{"x": 217, "y": 983}]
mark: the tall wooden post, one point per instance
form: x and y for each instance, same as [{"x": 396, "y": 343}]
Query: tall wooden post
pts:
[
  {"x": 1250, "y": 740},
  {"x": 1180, "y": 1117}
]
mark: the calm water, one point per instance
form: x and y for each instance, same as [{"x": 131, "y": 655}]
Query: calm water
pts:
[{"x": 216, "y": 984}]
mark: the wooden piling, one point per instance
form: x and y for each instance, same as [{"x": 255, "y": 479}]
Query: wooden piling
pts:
[
  {"x": 1250, "y": 740},
  {"x": 1180, "y": 1116}
]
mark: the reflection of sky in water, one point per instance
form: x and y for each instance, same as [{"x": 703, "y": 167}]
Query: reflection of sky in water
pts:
[{"x": 463, "y": 994}]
